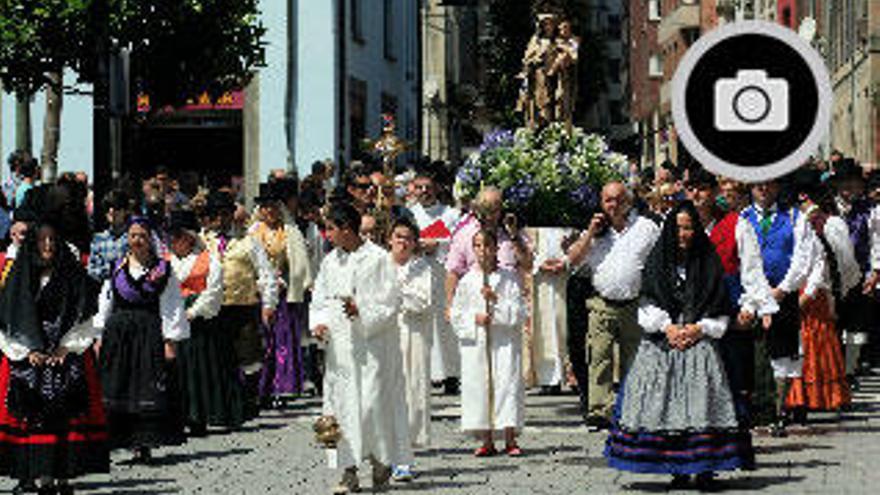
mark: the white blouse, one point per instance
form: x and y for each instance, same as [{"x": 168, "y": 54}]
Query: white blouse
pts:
[
  {"x": 175, "y": 326},
  {"x": 208, "y": 302}
]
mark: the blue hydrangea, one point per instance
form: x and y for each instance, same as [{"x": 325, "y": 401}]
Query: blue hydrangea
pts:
[
  {"x": 520, "y": 193},
  {"x": 496, "y": 139},
  {"x": 585, "y": 195}
]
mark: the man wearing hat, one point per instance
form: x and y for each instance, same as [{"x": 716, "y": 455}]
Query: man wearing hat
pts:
[
  {"x": 248, "y": 283},
  {"x": 787, "y": 243},
  {"x": 857, "y": 310}
]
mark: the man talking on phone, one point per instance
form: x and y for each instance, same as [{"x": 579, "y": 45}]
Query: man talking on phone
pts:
[{"x": 612, "y": 252}]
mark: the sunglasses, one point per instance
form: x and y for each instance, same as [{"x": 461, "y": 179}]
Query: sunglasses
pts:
[{"x": 363, "y": 187}]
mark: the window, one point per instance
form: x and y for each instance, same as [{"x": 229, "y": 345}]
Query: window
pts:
[
  {"x": 614, "y": 70},
  {"x": 357, "y": 21},
  {"x": 655, "y": 66},
  {"x": 357, "y": 116},
  {"x": 653, "y": 10},
  {"x": 613, "y": 30},
  {"x": 389, "y": 104},
  {"x": 389, "y": 31},
  {"x": 616, "y": 110}
]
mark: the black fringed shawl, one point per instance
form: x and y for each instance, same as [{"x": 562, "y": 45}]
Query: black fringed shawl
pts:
[{"x": 702, "y": 294}]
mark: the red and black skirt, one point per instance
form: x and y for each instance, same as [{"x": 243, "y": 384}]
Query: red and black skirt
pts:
[{"x": 35, "y": 444}]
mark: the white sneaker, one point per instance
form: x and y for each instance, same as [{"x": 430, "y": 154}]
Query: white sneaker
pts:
[{"x": 402, "y": 473}]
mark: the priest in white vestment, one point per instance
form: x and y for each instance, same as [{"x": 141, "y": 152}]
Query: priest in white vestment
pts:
[
  {"x": 437, "y": 221},
  {"x": 354, "y": 310},
  {"x": 414, "y": 321},
  {"x": 487, "y": 407},
  {"x": 549, "y": 322}
]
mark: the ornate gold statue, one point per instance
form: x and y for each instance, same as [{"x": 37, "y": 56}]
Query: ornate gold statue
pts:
[{"x": 548, "y": 77}]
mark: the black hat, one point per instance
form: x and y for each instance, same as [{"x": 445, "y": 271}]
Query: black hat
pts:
[
  {"x": 699, "y": 176},
  {"x": 219, "y": 201},
  {"x": 873, "y": 180},
  {"x": 269, "y": 192},
  {"x": 847, "y": 169},
  {"x": 807, "y": 181},
  {"x": 287, "y": 188},
  {"x": 183, "y": 220}
]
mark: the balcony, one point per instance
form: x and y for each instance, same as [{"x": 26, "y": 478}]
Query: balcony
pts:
[{"x": 685, "y": 16}]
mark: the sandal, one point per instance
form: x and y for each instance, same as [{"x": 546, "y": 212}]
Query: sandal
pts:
[
  {"x": 513, "y": 450},
  {"x": 485, "y": 452}
]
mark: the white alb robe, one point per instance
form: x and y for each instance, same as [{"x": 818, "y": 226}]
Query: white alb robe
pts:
[
  {"x": 445, "y": 361},
  {"x": 549, "y": 322},
  {"x": 415, "y": 323},
  {"x": 364, "y": 372},
  {"x": 506, "y": 351}
]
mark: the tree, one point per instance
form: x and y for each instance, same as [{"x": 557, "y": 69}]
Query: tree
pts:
[
  {"x": 182, "y": 48},
  {"x": 38, "y": 38}
]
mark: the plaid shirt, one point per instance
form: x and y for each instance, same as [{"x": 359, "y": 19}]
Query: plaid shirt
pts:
[{"x": 104, "y": 252}]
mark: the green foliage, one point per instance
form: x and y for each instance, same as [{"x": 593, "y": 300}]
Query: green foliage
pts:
[
  {"x": 180, "y": 48},
  {"x": 37, "y": 37},
  {"x": 550, "y": 177}
]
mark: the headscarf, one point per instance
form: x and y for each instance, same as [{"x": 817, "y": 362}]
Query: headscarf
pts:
[
  {"x": 75, "y": 293},
  {"x": 703, "y": 293}
]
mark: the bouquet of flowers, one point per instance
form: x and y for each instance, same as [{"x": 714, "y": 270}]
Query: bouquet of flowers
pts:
[{"x": 549, "y": 177}]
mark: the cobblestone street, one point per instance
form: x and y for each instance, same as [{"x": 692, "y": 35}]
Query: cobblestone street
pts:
[{"x": 276, "y": 454}]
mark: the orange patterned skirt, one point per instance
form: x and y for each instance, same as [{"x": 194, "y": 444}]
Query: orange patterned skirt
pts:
[{"x": 823, "y": 386}]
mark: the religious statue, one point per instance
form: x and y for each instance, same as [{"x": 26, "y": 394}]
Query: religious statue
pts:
[
  {"x": 564, "y": 71},
  {"x": 548, "y": 77}
]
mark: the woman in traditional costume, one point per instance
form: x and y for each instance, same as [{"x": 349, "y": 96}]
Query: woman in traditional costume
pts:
[
  {"x": 52, "y": 422},
  {"x": 212, "y": 390},
  {"x": 141, "y": 312},
  {"x": 676, "y": 414},
  {"x": 823, "y": 385},
  {"x": 283, "y": 370}
]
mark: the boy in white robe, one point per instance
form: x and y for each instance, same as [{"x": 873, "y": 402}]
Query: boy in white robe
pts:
[
  {"x": 354, "y": 310},
  {"x": 414, "y": 321},
  {"x": 489, "y": 303}
]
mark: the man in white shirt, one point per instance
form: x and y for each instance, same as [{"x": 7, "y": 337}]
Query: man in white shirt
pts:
[
  {"x": 436, "y": 223},
  {"x": 788, "y": 244},
  {"x": 613, "y": 251}
]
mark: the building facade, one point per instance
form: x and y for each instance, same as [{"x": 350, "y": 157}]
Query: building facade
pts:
[
  {"x": 646, "y": 75},
  {"x": 355, "y": 60}
]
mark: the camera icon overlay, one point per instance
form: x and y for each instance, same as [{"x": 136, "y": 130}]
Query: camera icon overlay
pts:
[{"x": 751, "y": 102}]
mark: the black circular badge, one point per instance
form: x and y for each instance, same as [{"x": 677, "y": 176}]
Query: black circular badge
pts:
[{"x": 751, "y": 100}]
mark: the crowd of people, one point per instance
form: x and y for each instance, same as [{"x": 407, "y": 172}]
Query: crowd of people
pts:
[{"x": 689, "y": 310}]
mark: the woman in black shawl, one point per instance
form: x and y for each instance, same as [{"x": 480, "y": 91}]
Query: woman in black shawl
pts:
[
  {"x": 52, "y": 422},
  {"x": 675, "y": 414}
]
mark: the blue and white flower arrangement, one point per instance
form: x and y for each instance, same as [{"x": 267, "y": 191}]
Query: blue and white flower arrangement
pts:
[{"x": 549, "y": 177}]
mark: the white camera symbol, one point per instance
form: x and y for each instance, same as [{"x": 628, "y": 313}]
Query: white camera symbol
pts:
[{"x": 751, "y": 102}]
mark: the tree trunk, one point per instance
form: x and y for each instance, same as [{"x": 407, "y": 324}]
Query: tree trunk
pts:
[
  {"x": 52, "y": 126},
  {"x": 23, "y": 122}
]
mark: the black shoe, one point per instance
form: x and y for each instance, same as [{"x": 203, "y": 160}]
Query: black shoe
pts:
[
  {"x": 47, "y": 490},
  {"x": 65, "y": 489},
  {"x": 24, "y": 486},
  {"x": 707, "y": 483},
  {"x": 777, "y": 429},
  {"x": 143, "y": 456},
  {"x": 680, "y": 482},
  {"x": 551, "y": 390},
  {"x": 597, "y": 423},
  {"x": 198, "y": 430},
  {"x": 451, "y": 386}
]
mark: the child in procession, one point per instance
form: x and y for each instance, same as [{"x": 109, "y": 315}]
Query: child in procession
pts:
[{"x": 487, "y": 314}]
